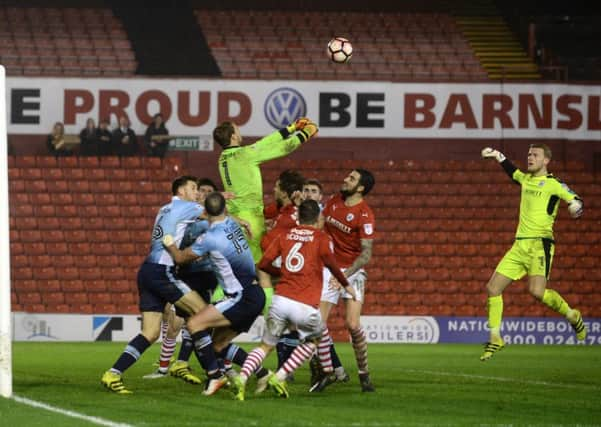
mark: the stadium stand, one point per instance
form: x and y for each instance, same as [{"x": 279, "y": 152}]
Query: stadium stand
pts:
[
  {"x": 64, "y": 42},
  {"x": 79, "y": 251},
  {"x": 389, "y": 46}
]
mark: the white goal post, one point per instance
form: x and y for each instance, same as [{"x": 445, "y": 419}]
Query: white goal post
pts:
[{"x": 6, "y": 380}]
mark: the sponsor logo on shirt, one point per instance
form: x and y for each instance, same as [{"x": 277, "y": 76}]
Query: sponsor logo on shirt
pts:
[{"x": 342, "y": 227}]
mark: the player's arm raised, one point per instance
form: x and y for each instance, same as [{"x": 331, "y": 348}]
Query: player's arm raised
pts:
[
  {"x": 179, "y": 256},
  {"x": 362, "y": 259},
  {"x": 509, "y": 168},
  {"x": 284, "y": 141}
]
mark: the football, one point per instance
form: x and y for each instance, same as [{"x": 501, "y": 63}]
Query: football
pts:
[{"x": 340, "y": 50}]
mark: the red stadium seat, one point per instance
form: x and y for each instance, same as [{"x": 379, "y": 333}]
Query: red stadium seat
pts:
[
  {"x": 77, "y": 298},
  {"x": 102, "y": 248},
  {"x": 80, "y": 188},
  {"x": 62, "y": 198},
  {"x": 25, "y": 223},
  {"x": 29, "y": 298},
  {"x": 25, "y": 162},
  {"x": 68, "y": 162},
  {"x": 74, "y": 237},
  {"x": 66, "y": 211},
  {"x": 131, "y": 163},
  {"x": 105, "y": 199},
  {"x": 117, "y": 175},
  {"x": 110, "y": 162},
  {"x": 88, "y": 211},
  {"x": 96, "y": 175},
  {"x": 44, "y": 273},
  {"x": 46, "y": 161},
  {"x": 52, "y": 174},
  {"x": 72, "y": 286},
  {"x": 89, "y": 162},
  {"x": 105, "y": 308},
  {"x": 75, "y": 174}
]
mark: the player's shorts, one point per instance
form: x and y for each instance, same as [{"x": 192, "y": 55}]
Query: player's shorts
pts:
[
  {"x": 203, "y": 282},
  {"x": 158, "y": 285},
  {"x": 528, "y": 256},
  {"x": 285, "y": 312},
  {"x": 357, "y": 281},
  {"x": 257, "y": 225},
  {"x": 242, "y": 308}
]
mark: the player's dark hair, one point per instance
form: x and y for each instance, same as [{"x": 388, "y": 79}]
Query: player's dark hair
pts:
[
  {"x": 291, "y": 181},
  {"x": 308, "y": 212},
  {"x": 367, "y": 180},
  {"x": 207, "y": 182},
  {"x": 222, "y": 134},
  {"x": 215, "y": 204},
  {"x": 180, "y": 182},
  {"x": 545, "y": 148},
  {"x": 315, "y": 182}
]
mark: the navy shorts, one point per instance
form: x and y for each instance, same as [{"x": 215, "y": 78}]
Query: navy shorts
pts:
[
  {"x": 158, "y": 285},
  {"x": 242, "y": 309},
  {"x": 203, "y": 282}
]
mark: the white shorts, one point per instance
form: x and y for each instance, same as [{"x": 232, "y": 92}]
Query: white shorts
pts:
[
  {"x": 357, "y": 281},
  {"x": 285, "y": 312}
]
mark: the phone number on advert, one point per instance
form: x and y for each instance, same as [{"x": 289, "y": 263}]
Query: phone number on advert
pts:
[{"x": 550, "y": 339}]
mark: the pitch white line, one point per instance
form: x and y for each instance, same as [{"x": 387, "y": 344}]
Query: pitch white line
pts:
[
  {"x": 68, "y": 413},
  {"x": 503, "y": 379}
]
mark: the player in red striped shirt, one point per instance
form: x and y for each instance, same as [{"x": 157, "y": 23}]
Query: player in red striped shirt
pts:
[{"x": 304, "y": 251}]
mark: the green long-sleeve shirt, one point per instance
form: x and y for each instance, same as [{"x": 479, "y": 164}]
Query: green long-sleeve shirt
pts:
[{"x": 240, "y": 169}]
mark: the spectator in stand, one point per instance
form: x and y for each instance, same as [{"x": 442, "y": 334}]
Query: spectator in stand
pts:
[
  {"x": 156, "y": 137},
  {"x": 56, "y": 141},
  {"x": 105, "y": 139},
  {"x": 124, "y": 139},
  {"x": 88, "y": 138}
]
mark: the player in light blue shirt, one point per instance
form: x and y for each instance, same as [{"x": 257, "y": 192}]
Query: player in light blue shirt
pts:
[
  {"x": 230, "y": 255},
  {"x": 157, "y": 280}
]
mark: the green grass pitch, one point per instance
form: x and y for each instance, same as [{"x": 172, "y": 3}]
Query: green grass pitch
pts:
[{"x": 416, "y": 385}]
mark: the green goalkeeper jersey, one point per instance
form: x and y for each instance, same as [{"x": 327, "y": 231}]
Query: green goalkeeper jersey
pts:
[
  {"x": 539, "y": 203},
  {"x": 240, "y": 170}
]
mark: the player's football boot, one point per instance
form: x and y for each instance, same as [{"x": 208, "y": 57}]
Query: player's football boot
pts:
[
  {"x": 575, "y": 320},
  {"x": 491, "y": 347},
  {"x": 279, "y": 387},
  {"x": 316, "y": 372},
  {"x": 156, "y": 375},
  {"x": 342, "y": 376},
  {"x": 213, "y": 385},
  {"x": 238, "y": 387},
  {"x": 323, "y": 382},
  {"x": 114, "y": 383},
  {"x": 182, "y": 370},
  {"x": 262, "y": 383},
  {"x": 366, "y": 384}
]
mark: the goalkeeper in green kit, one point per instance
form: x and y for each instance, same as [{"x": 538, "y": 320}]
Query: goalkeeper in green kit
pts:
[
  {"x": 534, "y": 246},
  {"x": 240, "y": 170}
]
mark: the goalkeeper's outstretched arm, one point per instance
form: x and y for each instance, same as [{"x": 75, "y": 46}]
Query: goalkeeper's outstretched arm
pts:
[
  {"x": 508, "y": 167},
  {"x": 284, "y": 141}
]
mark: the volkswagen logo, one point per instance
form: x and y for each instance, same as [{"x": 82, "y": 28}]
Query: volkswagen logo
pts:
[{"x": 283, "y": 106}]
